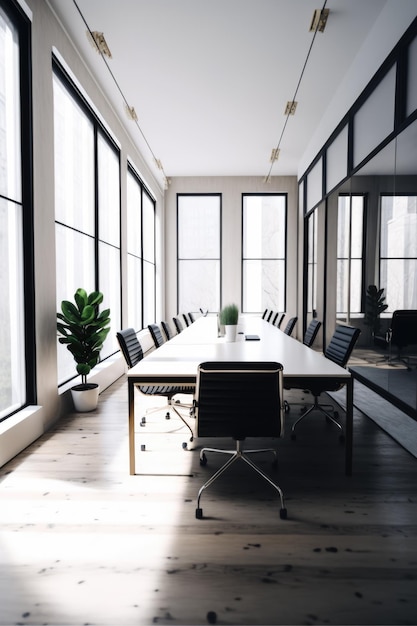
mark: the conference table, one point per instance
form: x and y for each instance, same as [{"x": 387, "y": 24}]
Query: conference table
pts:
[{"x": 177, "y": 360}]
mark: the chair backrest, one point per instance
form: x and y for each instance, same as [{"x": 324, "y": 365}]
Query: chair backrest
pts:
[
  {"x": 265, "y": 314},
  {"x": 156, "y": 335},
  {"x": 403, "y": 329},
  {"x": 270, "y": 314},
  {"x": 167, "y": 330},
  {"x": 178, "y": 325},
  {"x": 290, "y": 325},
  {"x": 186, "y": 319},
  {"x": 191, "y": 317},
  {"x": 341, "y": 344},
  {"x": 239, "y": 399},
  {"x": 130, "y": 346},
  {"x": 280, "y": 320},
  {"x": 311, "y": 333}
]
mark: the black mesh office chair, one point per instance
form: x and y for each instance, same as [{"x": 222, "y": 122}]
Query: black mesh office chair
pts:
[
  {"x": 270, "y": 314},
  {"x": 178, "y": 325},
  {"x": 186, "y": 319},
  {"x": 265, "y": 314},
  {"x": 290, "y": 325},
  {"x": 338, "y": 350},
  {"x": 275, "y": 318},
  {"x": 132, "y": 351},
  {"x": 191, "y": 317},
  {"x": 167, "y": 330},
  {"x": 239, "y": 400},
  {"x": 311, "y": 333},
  {"x": 156, "y": 335}
]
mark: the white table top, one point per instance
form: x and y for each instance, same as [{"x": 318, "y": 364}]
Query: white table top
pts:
[{"x": 199, "y": 342}]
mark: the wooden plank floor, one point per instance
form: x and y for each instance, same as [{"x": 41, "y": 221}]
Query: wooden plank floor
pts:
[{"x": 82, "y": 542}]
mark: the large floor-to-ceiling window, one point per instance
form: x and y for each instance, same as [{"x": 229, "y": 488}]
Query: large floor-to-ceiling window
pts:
[
  {"x": 398, "y": 250},
  {"x": 199, "y": 252},
  {"x": 17, "y": 384},
  {"x": 141, "y": 266},
  {"x": 264, "y": 220},
  {"x": 350, "y": 237},
  {"x": 87, "y": 210}
]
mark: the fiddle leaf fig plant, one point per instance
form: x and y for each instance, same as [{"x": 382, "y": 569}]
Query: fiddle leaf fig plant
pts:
[
  {"x": 83, "y": 329},
  {"x": 374, "y": 306}
]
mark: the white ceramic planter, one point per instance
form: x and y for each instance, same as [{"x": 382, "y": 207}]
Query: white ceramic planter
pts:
[
  {"x": 85, "y": 397},
  {"x": 230, "y": 332}
]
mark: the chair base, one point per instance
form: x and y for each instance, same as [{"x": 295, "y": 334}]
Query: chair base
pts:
[
  {"x": 235, "y": 455},
  {"x": 322, "y": 408}
]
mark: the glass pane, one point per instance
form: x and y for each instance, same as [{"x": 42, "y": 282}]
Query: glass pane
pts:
[
  {"x": 357, "y": 226},
  {"x": 398, "y": 226},
  {"x": 342, "y": 286},
  {"x": 412, "y": 78},
  {"x": 109, "y": 272},
  {"x": 264, "y": 225},
  {"x": 375, "y": 119},
  {"x": 148, "y": 228},
  {"x": 74, "y": 162},
  {"x": 198, "y": 227},
  {"x": 399, "y": 277},
  {"x": 343, "y": 227},
  {"x": 12, "y": 349},
  {"x": 336, "y": 161},
  {"x": 264, "y": 285},
  {"x": 315, "y": 185},
  {"x": 199, "y": 285},
  {"x": 10, "y": 151},
  {"x": 134, "y": 216},
  {"x": 355, "y": 285},
  {"x": 134, "y": 292},
  {"x": 74, "y": 269},
  {"x": 108, "y": 192},
  {"x": 148, "y": 293}
]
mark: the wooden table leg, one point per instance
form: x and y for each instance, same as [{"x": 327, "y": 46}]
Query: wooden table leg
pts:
[{"x": 131, "y": 401}]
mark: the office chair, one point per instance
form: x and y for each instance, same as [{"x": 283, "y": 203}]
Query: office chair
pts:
[
  {"x": 178, "y": 325},
  {"x": 156, "y": 335},
  {"x": 290, "y": 325},
  {"x": 167, "y": 330},
  {"x": 401, "y": 333},
  {"x": 274, "y": 319},
  {"x": 270, "y": 314},
  {"x": 191, "y": 317},
  {"x": 186, "y": 319},
  {"x": 239, "y": 400},
  {"x": 311, "y": 333},
  {"x": 265, "y": 314},
  {"x": 280, "y": 320},
  {"x": 132, "y": 351},
  {"x": 338, "y": 350}
]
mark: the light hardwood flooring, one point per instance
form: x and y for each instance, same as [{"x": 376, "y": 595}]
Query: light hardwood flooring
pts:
[{"x": 82, "y": 542}]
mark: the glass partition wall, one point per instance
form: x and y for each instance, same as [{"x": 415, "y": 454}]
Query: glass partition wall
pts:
[{"x": 367, "y": 210}]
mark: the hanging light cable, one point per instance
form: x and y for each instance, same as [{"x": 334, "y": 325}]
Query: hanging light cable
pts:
[
  {"x": 293, "y": 103},
  {"x": 131, "y": 111}
]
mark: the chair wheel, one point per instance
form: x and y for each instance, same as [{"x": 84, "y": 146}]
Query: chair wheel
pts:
[
  {"x": 199, "y": 513},
  {"x": 203, "y": 460},
  {"x": 283, "y": 513},
  {"x": 184, "y": 445},
  {"x": 293, "y": 436},
  {"x": 167, "y": 416},
  {"x": 143, "y": 421},
  {"x": 191, "y": 438}
]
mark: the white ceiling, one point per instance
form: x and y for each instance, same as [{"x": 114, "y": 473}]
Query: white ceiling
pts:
[{"x": 209, "y": 81}]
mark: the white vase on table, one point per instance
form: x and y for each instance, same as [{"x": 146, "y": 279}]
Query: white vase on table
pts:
[{"x": 230, "y": 332}]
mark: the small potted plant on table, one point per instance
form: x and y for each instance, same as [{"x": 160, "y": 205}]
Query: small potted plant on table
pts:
[
  {"x": 229, "y": 316},
  {"x": 83, "y": 329}
]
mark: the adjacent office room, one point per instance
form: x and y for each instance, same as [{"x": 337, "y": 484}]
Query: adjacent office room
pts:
[{"x": 178, "y": 157}]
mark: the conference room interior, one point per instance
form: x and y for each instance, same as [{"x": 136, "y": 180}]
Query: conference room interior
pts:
[{"x": 350, "y": 542}]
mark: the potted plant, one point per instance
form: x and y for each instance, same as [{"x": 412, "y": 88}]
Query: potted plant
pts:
[
  {"x": 83, "y": 330},
  {"x": 229, "y": 316},
  {"x": 374, "y": 306}
]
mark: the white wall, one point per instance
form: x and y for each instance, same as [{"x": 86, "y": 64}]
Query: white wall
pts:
[{"x": 231, "y": 189}]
